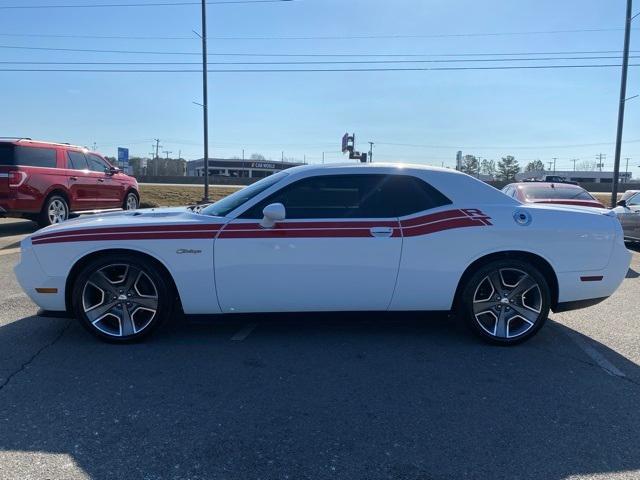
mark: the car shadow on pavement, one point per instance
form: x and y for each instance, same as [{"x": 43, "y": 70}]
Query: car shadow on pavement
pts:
[{"x": 402, "y": 396}]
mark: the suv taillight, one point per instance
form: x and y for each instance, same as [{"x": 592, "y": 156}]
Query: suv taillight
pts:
[{"x": 16, "y": 178}]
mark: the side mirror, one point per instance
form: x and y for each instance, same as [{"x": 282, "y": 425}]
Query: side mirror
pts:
[
  {"x": 622, "y": 203},
  {"x": 112, "y": 170},
  {"x": 274, "y": 212}
]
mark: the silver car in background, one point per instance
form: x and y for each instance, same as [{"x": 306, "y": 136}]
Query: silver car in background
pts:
[{"x": 628, "y": 211}]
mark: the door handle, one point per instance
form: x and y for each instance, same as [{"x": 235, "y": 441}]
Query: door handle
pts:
[
  {"x": 381, "y": 231},
  {"x": 101, "y": 180},
  {"x": 73, "y": 178}
]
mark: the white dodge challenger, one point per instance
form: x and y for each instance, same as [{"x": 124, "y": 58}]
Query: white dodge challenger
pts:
[{"x": 331, "y": 238}]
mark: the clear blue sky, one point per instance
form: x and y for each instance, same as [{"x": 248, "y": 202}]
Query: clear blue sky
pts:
[{"x": 487, "y": 113}]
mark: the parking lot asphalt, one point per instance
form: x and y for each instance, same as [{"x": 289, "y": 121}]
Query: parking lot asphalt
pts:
[{"x": 397, "y": 396}]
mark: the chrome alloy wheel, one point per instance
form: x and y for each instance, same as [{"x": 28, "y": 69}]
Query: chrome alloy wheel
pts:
[
  {"x": 120, "y": 300},
  {"x": 57, "y": 211},
  {"x": 132, "y": 202},
  {"x": 507, "y": 303}
]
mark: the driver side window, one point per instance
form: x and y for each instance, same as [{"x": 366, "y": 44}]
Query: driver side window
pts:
[
  {"x": 353, "y": 196},
  {"x": 96, "y": 164}
]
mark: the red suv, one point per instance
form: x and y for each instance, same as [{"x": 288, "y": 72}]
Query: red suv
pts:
[{"x": 46, "y": 182}]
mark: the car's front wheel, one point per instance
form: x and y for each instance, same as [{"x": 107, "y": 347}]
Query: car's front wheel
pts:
[
  {"x": 506, "y": 301},
  {"x": 131, "y": 202},
  {"x": 121, "y": 298}
]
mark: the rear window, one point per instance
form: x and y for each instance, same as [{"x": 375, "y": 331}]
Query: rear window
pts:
[
  {"x": 27, "y": 156},
  {"x": 557, "y": 192}
]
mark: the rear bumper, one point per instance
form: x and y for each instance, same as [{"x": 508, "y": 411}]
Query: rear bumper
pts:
[
  {"x": 582, "y": 289},
  {"x": 578, "y": 304}
]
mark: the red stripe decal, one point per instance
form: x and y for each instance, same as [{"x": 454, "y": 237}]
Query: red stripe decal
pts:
[
  {"x": 441, "y": 226},
  {"x": 138, "y": 228},
  {"x": 422, "y": 225},
  {"x": 129, "y": 236}
]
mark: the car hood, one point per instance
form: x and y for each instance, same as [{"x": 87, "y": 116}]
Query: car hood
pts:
[{"x": 173, "y": 216}]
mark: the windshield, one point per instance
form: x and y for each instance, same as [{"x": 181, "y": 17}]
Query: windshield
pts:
[
  {"x": 229, "y": 203},
  {"x": 556, "y": 192}
]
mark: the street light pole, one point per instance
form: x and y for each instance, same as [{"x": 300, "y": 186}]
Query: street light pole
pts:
[
  {"x": 205, "y": 102},
  {"x": 623, "y": 100}
]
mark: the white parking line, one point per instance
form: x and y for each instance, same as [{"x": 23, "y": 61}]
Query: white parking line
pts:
[
  {"x": 595, "y": 355},
  {"x": 244, "y": 332}
]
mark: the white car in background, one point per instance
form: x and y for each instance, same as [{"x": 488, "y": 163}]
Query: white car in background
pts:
[{"x": 369, "y": 237}]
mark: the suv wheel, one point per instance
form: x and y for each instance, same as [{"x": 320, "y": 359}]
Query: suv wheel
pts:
[
  {"x": 55, "y": 210},
  {"x": 130, "y": 201},
  {"x": 121, "y": 298},
  {"x": 506, "y": 301}
]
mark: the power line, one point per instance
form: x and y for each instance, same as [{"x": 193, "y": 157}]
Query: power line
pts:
[
  {"x": 310, "y": 37},
  {"x": 316, "y": 70},
  {"x": 245, "y": 54},
  {"x": 316, "y": 62},
  {"x": 130, "y": 5},
  {"x": 514, "y": 147}
]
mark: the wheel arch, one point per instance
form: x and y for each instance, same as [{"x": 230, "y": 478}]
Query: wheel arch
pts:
[
  {"x": 84, "y": 260},
  {"x": 57, "y": 190},
  {"x": 130, "y": 189},
  {"x": 536, "y": 260}
]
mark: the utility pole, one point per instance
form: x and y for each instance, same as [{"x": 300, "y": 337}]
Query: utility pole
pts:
[
  {"x": 282, "y": 157},
  {"x": 155, "y": 160},
  {"x": 205, "y": 100},
  {"x": 167, "y": 152},
  {"x": 554, "y": 164},
  {"x": 179, "y": 154},
  {"x": 371, "y": 144},
  {"x": 550, "y": 165},
  {"x": 600, "y": 157},
  {"x": 95, "y": 146},
  {"x": 574, "y": 163},
  {"x": 623, "y": 100},
  {"x": 626, "y": 170}
]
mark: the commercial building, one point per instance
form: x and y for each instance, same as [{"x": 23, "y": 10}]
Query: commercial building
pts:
[
  {"x": 585, "y": 176},
  {"x": 237, "y": 167}
]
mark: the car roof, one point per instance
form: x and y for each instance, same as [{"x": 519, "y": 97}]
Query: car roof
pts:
[
  {"x": 29, "y": 141},
  {"x": 522, "y": 185},
  {"x": 387, "y": 167}
]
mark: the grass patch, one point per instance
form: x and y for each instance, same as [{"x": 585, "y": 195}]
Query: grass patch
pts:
[
  {"x": 604, "y": 197},
  {"x": 171, "y": 196}
]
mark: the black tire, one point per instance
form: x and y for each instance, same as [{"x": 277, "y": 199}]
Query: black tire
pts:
[
  {"x": 522, "y": 297},
  {"x": 129, "y": 199},
  {"x": 54, "y": 210},
  {"x": 126, "y": 311}
]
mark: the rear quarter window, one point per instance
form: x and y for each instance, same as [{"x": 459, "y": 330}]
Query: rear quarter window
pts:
[{"x": 27, "y": 156}]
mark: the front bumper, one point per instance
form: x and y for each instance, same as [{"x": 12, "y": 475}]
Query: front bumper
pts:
[{"x": 31, "y": 277}]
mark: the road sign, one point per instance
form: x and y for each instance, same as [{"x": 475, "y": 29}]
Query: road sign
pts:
[{"x": 123, "y": 159}]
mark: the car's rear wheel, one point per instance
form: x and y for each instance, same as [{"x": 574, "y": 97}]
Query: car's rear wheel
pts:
[
  {"x": 506, "y": 301},
  {"x": 131, "y": 201},
  {"x": 55, "y": 210},
  {"x": 121, "y": 298}
]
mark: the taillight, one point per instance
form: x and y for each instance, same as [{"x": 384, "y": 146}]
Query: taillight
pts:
[{"x": 16, "y": 178}]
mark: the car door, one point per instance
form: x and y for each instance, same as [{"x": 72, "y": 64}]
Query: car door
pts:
[
  {"x": 108, "y": 189},
  {"x": 338, "y": 249},
  {"x": 630, "y": 218},
  {"x": 81, "y": 182}
]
